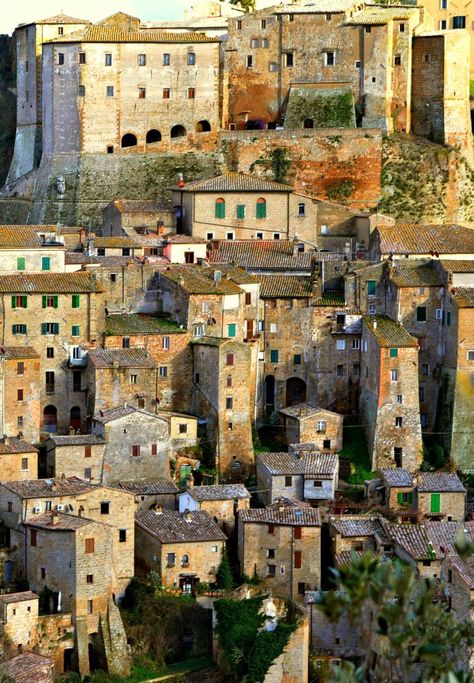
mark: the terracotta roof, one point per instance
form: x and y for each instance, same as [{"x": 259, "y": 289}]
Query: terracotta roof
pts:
[
  {"x": 117, "y": 413},
  {"x": 283, "y": 512},
  {"x": 57, "y": 521},
  {"x": 346, "y": 557},
  {"x": 98, "y": 33},
  {"x": 148, "y": 488},
  {"x": 114, "y": 242},
  {"x": 442, "y": 535},
  {"x": 219, "y": 492},
  {"x": 47, "y": 488},
  {"x": 138, "y": 323},
  {"x": 62, "y": 18},
  {"x": 285, "y": 287},
  {"x": 18, "y": 352},
  {"x": 396, "y": 477},
  {"x": 310, "y": 463},
  {"x": 195, "y": 280},
  {"x": 351, "y": 527},
  {"x": 424, "y": 239},
  {"x": 304, "y": 410},
  {"x": 116, "y": 261},
  {"x": 36, "y": 283},
  {"x": 417, "y": 275},
  {"x": 319, "y": 7},
  {"x": 235, "y": 182},
  {"x": 122, "y": 358},
  {"x": 14, "y": 445},
  {"x": 378, "y": 16},
  {"x": 29, "y": 668},
  {"x": 260, "y": 255},
  {"x": 413, "y": 539},
  {"x": 463, "y": 297},
  {"x": 465, "y": 569},
  {"x": 23, "y": 235},
  {"x": 330, "y": 299},
  {"x": 8, "y": 598},
  {"x": 211, "y": 341},
  {"x": 140, "y": 205},
  {"x": 458, "y": 266},
  {"x": 184, "y": 239},
  {"x": 388, "y": 333},
  {"x": 77, "y": 440},
  {"x": 235, "y": 273},
  {"x": 171, "y": 527},
  {"x": 429, "y": 482}
]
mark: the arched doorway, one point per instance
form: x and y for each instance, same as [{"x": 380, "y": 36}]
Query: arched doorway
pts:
[
  {"x": 270, "y": 390},
  {"x": 178, "y": 131},
  {"x": 295, "y": 391},
  {"x": 203, "y": 127},
  {"x": 153, "y": 136},
  {"x": 308, "y": 123},
  {"x": 50, "y": 419},
  {"x": 129, "y": 140},
  {"x": 75, "y": 418}
]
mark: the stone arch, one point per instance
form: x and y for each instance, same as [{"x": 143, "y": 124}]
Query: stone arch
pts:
[
  {"x": 203, "y": 126},
  {"x": 178, "y": 131},
  {"x": 129, "y": 140},
  {"x": 50, "y": 419},
  {"x": 308, "y": 123},
  {"x": 75, "y": 418},
  {"x": 153, "y": 135},
  {"x": 295, "y": 391}
]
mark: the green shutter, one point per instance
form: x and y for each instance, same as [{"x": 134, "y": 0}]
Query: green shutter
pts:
[
  {"x": 55, "y": 301},
  {"x": 297, "y": 359},
  {"x": 220, "y": 210},
  {"x": 20, "y": 263},
  {"x": 14, "y": 329},
  {"x": 400, "y": 498},
  {"x": 13, "y": 301},
  {"x": 76, "y": 301},
  {"x": 231, "y": 330},
  {"x": 24, "y": 301},
  {"x": 43, "y": 328},
  {"x": 410, "y": 497},
  {"x": 435, "y": 502},
  {"x": 261, "y": 210},
  {"x": 241, "y": 211},
  {"x": 274, "y": 356},
  {"x": 45, "y": 263},
  {"x": 55, "y": 328},
  {"x": 45, "y": 300},
  {"x": 75, "y": 330},
  {"x": 371, "y": 287},
  {"x": 393, "y": 353}
]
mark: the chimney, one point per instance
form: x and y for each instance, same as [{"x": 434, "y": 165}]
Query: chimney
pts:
[
  {"x": 187, "y": 516},
  {"x": 158, "y": 509},
  {"x": 54, "y": 519},
  {"x": 375, "y": 324}
]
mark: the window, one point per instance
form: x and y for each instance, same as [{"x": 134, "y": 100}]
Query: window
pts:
[
  {"x": 271, "y": 529},
  {"x": 448, "y": 318},
  {"x": 470, "y": 355},
  {"x": 425, "y": 370},
  {"x": 229, "y": 359},
  {"x": 135, "y": 451},
  {"x": 229, "y": 381},
  {"x": 398, "y": 456},
  {"x": 19, "y": 395},
  {"x": 166, "y": 59},
  {"x": 89, "y": 543},
  {"x": 435, "y": 503},
  {"x": 339, "y": 371},
  {"x": 199, "y": 330},
  {"x": 393, "y": 353},
  {"x": 356, "y": 344},
  {"x": 297, "y": 559},
  {"x": 19, "y": 329},
  {"x": 33, "y": 537},
  {"x": 231, "y": 330},
  {"x": 261, "y": 208},
  {"x": 81, "y": 91},
  {"x": 141, "y": 60},
  {"x": 20, "y": 263},
  {"x": 297, "y": 359},
  {"x": 271, "y": 570},
  {"x": 297, "y": 533},
  {"x": 317, "y": 483},
  {"x": 49, "y": 352},
  {"x": 340, "y": 344},
  {"x": 397, "y": 60},
  {"x": 49, "y": 301},
  {"x": 183, "y": 428},
  {"x": 141, "y": 93},
  {"x": 249, "y": 61},
  {"x": 205, "y": 306},
  {"x": 248, "y": 298},
  {"x": 443, "y": 24},
  {"x": 163, "y": 370},
  {"x": 260, "y": 235},
  {"x": 394, "y": 375},
  {"x": 133, "y": 379},
  {"x": 24, "y": 464},
  {"x": 122, "y": 535},
  {"x": 272, "y": 66},
  {"x": 19, "y": 301},
  {"x": 399, "y": 398},
  {"x": 20, "y": 368},
  {"x": 90, "y": 607},
  {"x": 288, "y": 481},
  {"x": 75, "y": 331},
  {"x": 219, "y": 208},
  {"x": 104, "y": 507},
  {"x": 329, "y": 58},
  {"x": 191, "y": 58},
  {"x": 265, "y": 43},
  {"x": 398, "y": 421},
  {"x": 270, "y": 553},
  {"x": 87, "y": 451},
  {"x": 423, "y": 420},
  {"x": 301, "y": 209},
  {"x": 210, "y": 236},
  {"x": 166, "y": 93},
  {"x": 239, "y": 25},
  {"x": 60, "y": 30},
  {"x": 459, "y": 22},
  {"x": 90, "y": 578},
  {"x": 401, "y": 28},
  {"x": 356, "y": 369},
  {"x": 125, "y": 342},
  {"x": 154, "y": 448},
  {"x": 191, "y": 93},
  {"x": 254, "y": 42},
  {"x": 240, "y": 211},
  {"x": 357, "y": 63},
  {"x": 49, "y": 377},
  {"x": 82, "y": 57},
  {"x": 110, "y": 91},
  {"x": 60, "y": 58},
  {"x": 229, "y": 403},
  {"x": 274, "y": 356},
  {"x": 421, "y": 314},
  {"x": 289, "y": 61},
  {"x": 371, "y": 287},
  {"x": 405, "y": 498},
  {"x": 165, "y": 343},
  {"x": 43, "y": 573},
  {"x": 108, "y": 59},
  {"x": 321, "y": 426},
  {"x": 170, "y": 559},
  {"x": 45, "y": 263}
]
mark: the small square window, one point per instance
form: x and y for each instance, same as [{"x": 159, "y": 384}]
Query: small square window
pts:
[
  {"x": 397, "y": 60},
  {"x": 329, "y": 58},
  {"x": 393, "y": 353},
  {"x": 191, "y": 93},
  {"x": 82, "y": 57},
  {"x": 288, "y": 481},
  {"x": 90, "y": 578},
  {"x": 141, "y": 93},
  {"x": 166, "y": 93},
  {"x": 142, "y": 60},
  {"x": 104, "y": 508},
  {"x": 401, "y": 28},
  {"x": 110, "y": 91},
  {"x": 82, "y": 90},
  {"x": 166, "y": 59},
  {"x": 108, "y": 59},
  {"x": 272, "y": 66},
  {"x": 163, "y": 370}
]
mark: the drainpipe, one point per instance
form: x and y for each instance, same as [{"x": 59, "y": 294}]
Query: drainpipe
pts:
[{"x": 280, "y": 39}]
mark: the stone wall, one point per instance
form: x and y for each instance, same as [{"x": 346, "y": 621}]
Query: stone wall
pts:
[{"x": 292, "y": 665}]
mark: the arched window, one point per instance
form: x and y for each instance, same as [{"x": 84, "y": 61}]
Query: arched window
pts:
[
  {"x": 153, "y": 136},
  {"x": 203, "y": 127},
  {"x": 75, "y": 418},
  {"x": 185, "y": 560},
  {"x": 178, "y": 131},
  {"x": 308, "y": 123},
  {"x": 219, "y": 211},
  {"x": 129, "y": 140},
  {"x": 261, "y": 208},
  {"x": 50, "y": 419}
]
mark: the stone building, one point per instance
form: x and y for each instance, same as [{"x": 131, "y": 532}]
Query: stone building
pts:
[
  {"x": 64, "y": 317},
  {"x": 308, "y": 424},
  {"x": 115, "y": 245},
  {"x": 18, "y": 459},
  {"x": 184, "y": 248},
  {"x": 282, "y": 545},
  {"x": 75, "y": 455},
  {"x": 420, "y": 241},
  {"x": 221, "y": 502},
  {"x": 136, "y": 217},
  {"x": 19, "y": 612},
  {"x": 263, "y": 257},
  {"x": 185, "y": 549},
  {"x": 398, "y": 491},
  {"x": 161, "y": 87},
  {"x": 441, "y": 495},
  {"x": 20, "y": 407},
  {"x": 302, "y": 475},
  {"x": 242, "y": 206},
  {"x": 359, "y": 534},
  {"x": 152, "y": 495},
  {"x": 31, "y": 249},
  {"x": 137, "y": 444},
  {"x": 389, "y": 399}
]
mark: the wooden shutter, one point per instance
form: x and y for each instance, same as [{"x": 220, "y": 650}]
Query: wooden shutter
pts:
[
  {"x": 297, "y": 559},
  {"x": 90, "y": 544}
]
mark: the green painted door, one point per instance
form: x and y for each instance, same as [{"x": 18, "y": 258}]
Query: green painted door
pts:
[{"x": 435, "y": 502}]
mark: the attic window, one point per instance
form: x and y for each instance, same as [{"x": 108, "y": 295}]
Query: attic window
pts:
[{"x": 60, "y": 30}]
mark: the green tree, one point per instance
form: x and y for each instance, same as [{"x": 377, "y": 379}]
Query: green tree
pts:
[
  {"x": 224, "y": 573},
  {"x": 247, "y": 5},
  {"x": 411, "y": 627}
]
